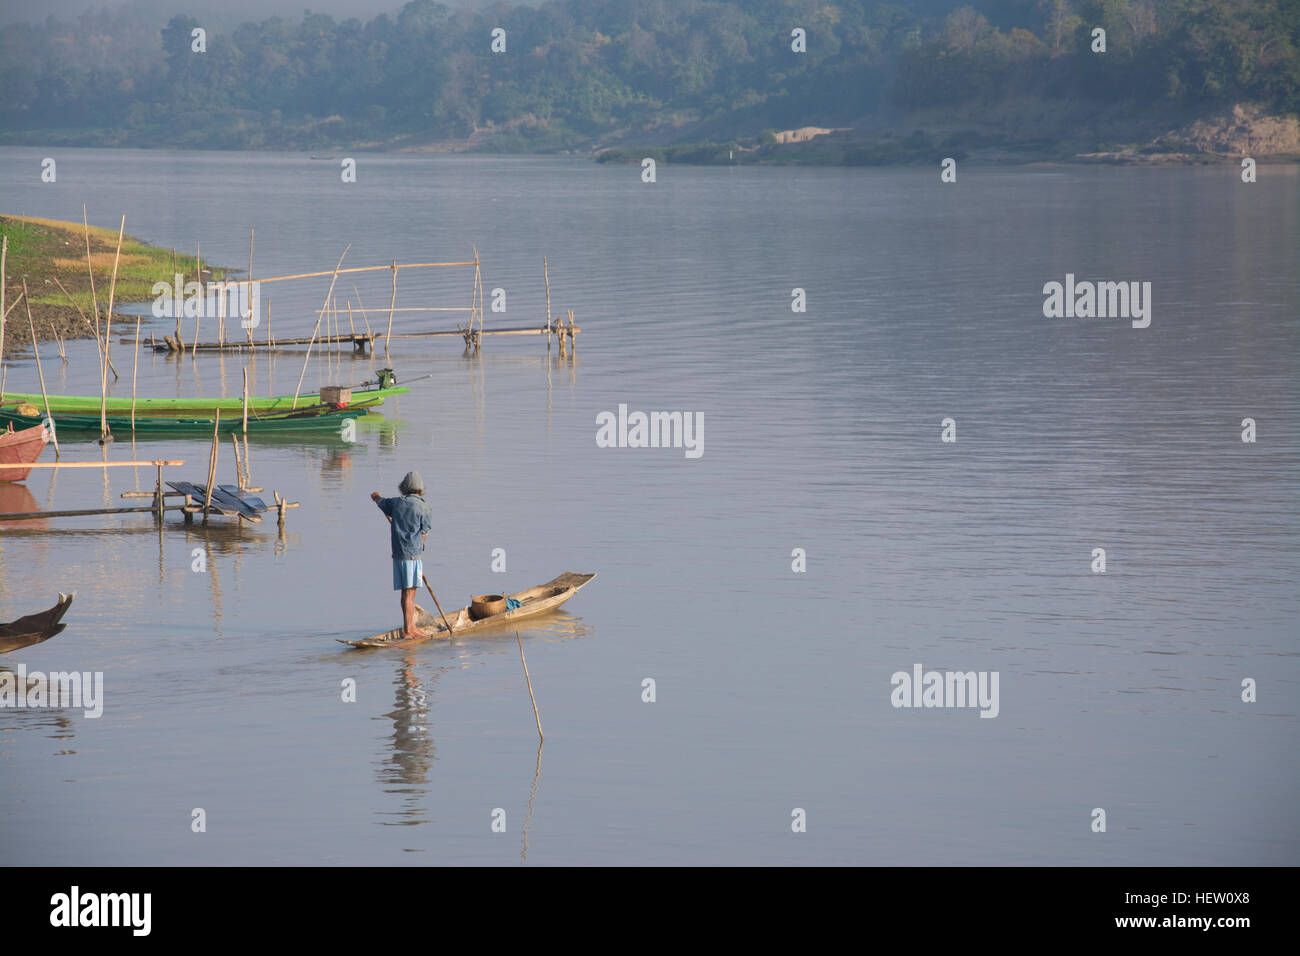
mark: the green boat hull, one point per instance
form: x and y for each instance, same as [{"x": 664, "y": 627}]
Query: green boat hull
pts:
[
  {"x": 327, "y": 422},
  {"x": 88, "y": 405}
]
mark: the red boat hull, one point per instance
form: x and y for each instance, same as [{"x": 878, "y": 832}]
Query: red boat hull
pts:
[{"x": 21, "y": 448}]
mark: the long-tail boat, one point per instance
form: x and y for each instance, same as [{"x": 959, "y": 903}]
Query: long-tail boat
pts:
[
  {"x": 311, "y": 418},
  {"x": 20, "y": 449},
  {"x": 120, "y": 406},
  {"x": 35, "y": 628},
  {"x": 533, "y": 601}
]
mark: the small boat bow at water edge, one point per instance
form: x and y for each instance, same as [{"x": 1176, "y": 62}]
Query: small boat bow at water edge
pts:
[{"x": 35, "y": 628}]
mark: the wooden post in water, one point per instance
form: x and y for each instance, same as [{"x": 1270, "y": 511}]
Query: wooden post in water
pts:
[
  {"x": 54, "y": 432},
  {"x": 391, "y": 303},
  {"x": 546, "y": 274},
  {"x": 536, "y": 715},
  {"x": 178, "y": 295},
  {"x": 239, "y": 466},
  {"x": 105, "y": 435},
  {"x": 135, "y": 369},
  {"x": 249, "y": 297},
  {"x": 212, "y": 466},
  {"x": 198, "y": 269},
  {"x": 94, "y": 300}
]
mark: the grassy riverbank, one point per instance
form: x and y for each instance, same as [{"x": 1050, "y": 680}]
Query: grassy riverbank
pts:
[{"x": 51, "y": 256}]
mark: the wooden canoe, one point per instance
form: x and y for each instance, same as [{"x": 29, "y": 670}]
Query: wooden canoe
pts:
[
  {"x": 35, "y": 628},
  {"x": 533, "y": 601}
]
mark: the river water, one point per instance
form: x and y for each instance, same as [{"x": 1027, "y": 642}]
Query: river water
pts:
[{"x": 224, "y": 689}]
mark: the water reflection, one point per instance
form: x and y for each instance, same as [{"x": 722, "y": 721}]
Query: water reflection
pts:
[
  {"x": 412, "y": 751},
  {"x": 53, "y": 719}
]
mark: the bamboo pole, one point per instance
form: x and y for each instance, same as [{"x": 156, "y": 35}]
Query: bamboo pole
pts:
[
  {"x": 392, "y": 303},
  {"x": 395, "y": 265},
  {"x": 365, "y": 318},
  {"x": 93, "y": 464},
  {"x": 221, "y": 317},
  {"x": 212, "y": 466},
  {"x": 352, "y": 327},
  {"x": 54, "y": 432},
  {"x": 245, "y": 404},
  {"x": 328, "y": 293},
  {"x": 239, "y": 467},
  {"x": 135, "y": 370},
  {"x": 251, "y": 344},
  {"x": 108, "y": 331},
  {"x": 536, "y": 715},
  {"x": 478, "y": 288},
  {"x": 178, "y": 298},
  {"x": 424, "y": 308},
  {"x": 198, "y": 269},
  {"x": 31, "y": 515},
  {"x": 546, "y": 274},
  {"x": 94, "y": 299}
]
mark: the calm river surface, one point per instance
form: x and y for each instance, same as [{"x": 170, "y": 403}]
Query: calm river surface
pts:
[{"x": 223, "y": 689}]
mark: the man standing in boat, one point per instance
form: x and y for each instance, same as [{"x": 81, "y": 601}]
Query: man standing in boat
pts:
[{"x": 411, "y": 521}]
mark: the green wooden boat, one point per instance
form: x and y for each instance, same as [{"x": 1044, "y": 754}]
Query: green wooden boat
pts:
[
  {"x": 61, "y": 405},
  {"x": 315, "y": 418}
]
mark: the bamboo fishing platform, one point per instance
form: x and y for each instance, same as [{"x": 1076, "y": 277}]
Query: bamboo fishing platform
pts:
[{"x": 361, "y": 342}]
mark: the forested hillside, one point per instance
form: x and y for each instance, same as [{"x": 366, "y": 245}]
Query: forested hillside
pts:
[{"x": 578, "y": 74}]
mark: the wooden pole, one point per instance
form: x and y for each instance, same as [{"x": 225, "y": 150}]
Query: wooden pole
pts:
[
  {"x": 178, "y": 298},
  {"x": 251, "y": 346},
  {"x": 536, "y": 715},
  {"x": 135, "y": 369},
  {"x": 394, "y": 265},
  {"x": 546, "y": 273},
  {"x": 108, "y": 331},
  {"x": 245, "y": 404},
  {"x": 221, "y": 317},
  {"x": 239, "y": 466},
  {"x": 94, "y": 300},
  {"x": 392, "y": 303},
  {"x": 92, "y": 464},
  {"x": 441, "y": 613},
  {"x": 365, "y": 318},
  {"x": 54, "y": 433},
  {"x": 212, "y": 466},
  {"x": 198, "y": 268},
  {"x": 328, "y": 293}
]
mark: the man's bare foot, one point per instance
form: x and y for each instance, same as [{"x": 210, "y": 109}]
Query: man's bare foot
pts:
[{"x": 408, "y": 635}]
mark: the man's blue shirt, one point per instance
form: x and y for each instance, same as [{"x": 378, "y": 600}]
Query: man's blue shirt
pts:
[{"x": 412, "y": 519}]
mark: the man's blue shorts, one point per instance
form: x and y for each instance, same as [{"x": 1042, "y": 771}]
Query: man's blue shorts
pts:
[{"x": 407, "y": 574}]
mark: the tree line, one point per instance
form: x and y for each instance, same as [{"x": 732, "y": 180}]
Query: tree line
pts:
[{"x": 576, "y": 74}]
